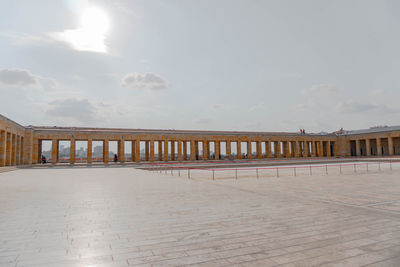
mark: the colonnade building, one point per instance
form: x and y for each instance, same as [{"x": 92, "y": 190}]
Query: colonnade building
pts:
[{"x": 25, "y": 145}]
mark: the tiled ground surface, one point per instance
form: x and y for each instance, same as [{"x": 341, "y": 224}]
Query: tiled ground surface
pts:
[{"x": 122, "y": 216}]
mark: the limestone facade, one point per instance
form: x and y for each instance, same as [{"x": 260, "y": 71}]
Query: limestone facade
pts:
[{"x": 23, "y": 145}]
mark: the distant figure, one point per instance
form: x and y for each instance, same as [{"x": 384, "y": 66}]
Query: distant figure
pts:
[
  {"x": 43, "y": 159},
  {"x": 115, "y": 158}
]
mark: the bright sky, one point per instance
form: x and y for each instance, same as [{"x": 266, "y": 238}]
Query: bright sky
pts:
[{"x": 217, "y": 65}]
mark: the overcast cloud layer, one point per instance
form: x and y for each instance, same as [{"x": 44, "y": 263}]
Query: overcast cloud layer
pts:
[{"x": 218, "y": 65}]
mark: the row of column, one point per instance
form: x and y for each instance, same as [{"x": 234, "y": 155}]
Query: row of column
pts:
[
  {"x": 286, "y": 149},
  {"x": 374, "y": 146},
  {"x": 121, "y": 150},
  {"x": 11, "y": 149}
]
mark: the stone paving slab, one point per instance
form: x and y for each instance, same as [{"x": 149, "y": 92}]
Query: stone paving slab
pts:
[{"x": 129, "y": 217}]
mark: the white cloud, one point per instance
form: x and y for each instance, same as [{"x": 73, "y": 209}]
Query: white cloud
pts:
[
  {"x": 359, "y": 107},
  {"x": 144, "y": 81},
  {"x": 77, "y": 77},
  {"x": 18, "y": 77},
  {"x": 328, "y": 106},
  {"x": 259, "y": 106},
  {"x": 217, "y": 106},
  {"x": 204, "y": 121},
  {"x": 75, "y": 110},
  {"x": 220, "y": 106},
  {"x": 24, "y": 39},
  {"x": 321, "y": 89},
  {"x": 81, "y": 40}
]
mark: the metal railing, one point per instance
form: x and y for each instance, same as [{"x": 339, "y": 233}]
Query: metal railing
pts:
[{"x": 278, "y": 171}]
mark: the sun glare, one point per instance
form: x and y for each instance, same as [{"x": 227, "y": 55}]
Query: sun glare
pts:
[
  {"x": 90, "y": 36},
  {"x": 95, "y": 20}
]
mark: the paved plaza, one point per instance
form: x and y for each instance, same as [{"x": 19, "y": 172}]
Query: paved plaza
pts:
[{"x": 127, "y": 217}]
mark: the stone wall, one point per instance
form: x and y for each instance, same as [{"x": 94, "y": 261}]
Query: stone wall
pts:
[{"x": 12, "y": 142}]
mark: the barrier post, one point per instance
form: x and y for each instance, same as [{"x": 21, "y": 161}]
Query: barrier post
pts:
[
  {"x": 391, "y": 165},
  {"x": 367, "y": 166},
  {"x": 310, "y": 170},
  {"x": 355, "y": 168},
  {"x": 379, "y": 165},
  {"x": 294, "y": 169},
  {"x": 188, "y": 173},
  {"x": 179, "y": 171},
  {"x": 213, "y": 175},
  {"x": 326, "y": 169},
  {"x": 257, "y": 172},
  {"x": 277, "y": 172},
  {"x": 235, "y": 173},
  {"x": 340, "y": 166}
]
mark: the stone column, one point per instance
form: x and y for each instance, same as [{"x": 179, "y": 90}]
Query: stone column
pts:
[
  {"x": 297, "y": 150},
  {"x": 28, "y": 148},
  {"x": 179, "y": 148},
  {"x": 8, "y": 149},
  {"x": 277, "y": 149},
  {"x": 294, "y": 149},
  {"x": 151, "y": 150},
  {"x": 228, "y": 148},
  {"x": 72, "y": 151},
  {"x": 197, "y": 152},
  {"x": 321, "y": 148},
  {"x": 184, "y": 144},
  {"x": 239, "y": 149},
  {"x": 314, "y": 148},
  {"x": 37, "y": 150},
  {"x": 193, "y": 150},
  {"x": 54, "y": 151},
  {"x": 147, "y": 150},
  {"x": 18, "y": 149},
  {"x": 121, "y": 150},
  {"x": 259, "y": 150},
  {"x": 166, "y": 150},
  {"x": 217, "y": 148},
  {"x": 205, "y": 150},
  {"x": 328, "y": 149},
  {"x": 379, "y": 146},
  {"x": 137, "y": 150},
  {"x": 306, "y": 149},
  {"x": 172, "y": 150},
  {"x": 286, "y": 145},
  {"x": 368, "y": 147},
  {"x": 22, "y": 153},
  {"x": 89, "y": 151},
  {"x": 133, "y": 150},
  {"x": 160, "y": 151},
  {"x": 390, "y": 144},
  {"x": 105, "y": 151},
  {"x": 358, "y": 148},
  {"x": 249, "y": 150},
  {"x": 14, "y": 149},
  {"x": 268, "y": 150},
  {"x": 292, "y": 146},
  {"x": 3, "y": 145}
]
